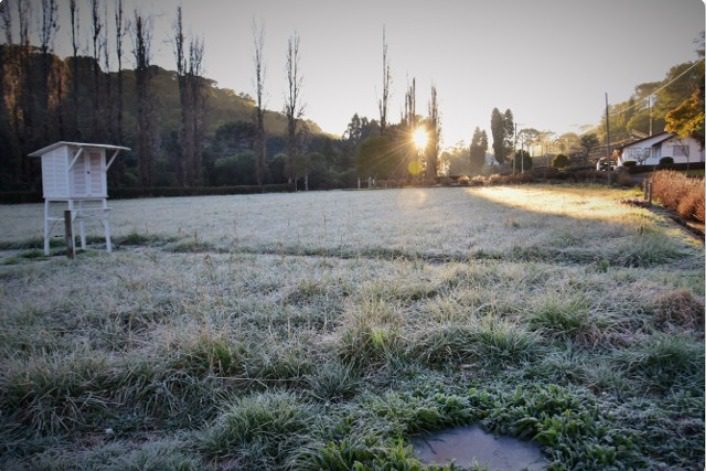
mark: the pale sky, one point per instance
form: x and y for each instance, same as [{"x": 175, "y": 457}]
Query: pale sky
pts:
[{"x": 550, "y": 61}]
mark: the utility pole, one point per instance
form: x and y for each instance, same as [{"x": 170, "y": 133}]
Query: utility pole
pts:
[
  {"x": 607, "y": 125},
  {"x": 514, "y": 145},
  {"x": 522, "y": 155}
]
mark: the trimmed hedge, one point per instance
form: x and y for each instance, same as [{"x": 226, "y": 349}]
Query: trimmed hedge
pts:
[
  {"x": 18, "y": 197},
  {"x": 679, "y": 166},
  {"x": 126, "y": 193}
]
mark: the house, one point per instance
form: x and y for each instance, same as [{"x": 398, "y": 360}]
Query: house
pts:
[{"x": 649, "y": 150}]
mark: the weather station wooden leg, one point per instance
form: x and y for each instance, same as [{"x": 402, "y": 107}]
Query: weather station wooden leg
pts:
[
  {"x": 72, "y": 212},
  {"x": 69, "y": 234},
  {"x": 81, "y": 226},
  {"x": 46, "y": 227},
  {"x": 106, "y": 227}
]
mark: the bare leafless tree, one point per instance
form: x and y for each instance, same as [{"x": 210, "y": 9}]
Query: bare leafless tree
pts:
[
  {"x": 185, "y": 131},
  {"x": 198, "y": 104},
  {"x": 386, "y": 79},
  {"x": 293, "y": 107},
  {"x": 258, "y": 32},
  {"x": 24, "y": 18},
  {"x": 25, "y": 118},
  {"x": 192, "y": 99},
  {"x": 10, "y": 95},
  {"x": 49, "y": 26},
  {"x": 108, "y": 108},
  {"x": 434, "y": 137},
  {"x": 410, "y": 104},
  {"x": 74, "y": 16},
  {"x": 7, "y": 24},
  {"x": 96, "y": 27},
  {"x": 119, "y": 35},
  {"x": 47, "y": 33},
  {"x": 142, "y": 42}
]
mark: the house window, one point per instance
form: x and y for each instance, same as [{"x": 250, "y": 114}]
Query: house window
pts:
[
  {"x": 639, "y": 154},
  {"x": 680, "y": 151}
]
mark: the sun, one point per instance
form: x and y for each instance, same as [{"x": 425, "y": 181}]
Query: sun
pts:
[{"x": 420, "y": 138}]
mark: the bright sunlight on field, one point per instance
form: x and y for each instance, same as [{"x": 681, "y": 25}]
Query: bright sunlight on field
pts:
[{"x": 319, "y": 330}]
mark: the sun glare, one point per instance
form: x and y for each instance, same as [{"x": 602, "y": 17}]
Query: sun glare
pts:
[{"x": 420, "y": 138}]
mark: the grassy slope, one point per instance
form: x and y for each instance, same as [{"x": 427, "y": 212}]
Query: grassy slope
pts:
[{"x": 331, "y": 335}]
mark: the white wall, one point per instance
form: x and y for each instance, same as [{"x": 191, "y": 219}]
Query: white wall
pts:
[
  {"x": 663, "y": 149},
  {"x": 696, "y": 154},
  {"x": 55, "y": 182}
]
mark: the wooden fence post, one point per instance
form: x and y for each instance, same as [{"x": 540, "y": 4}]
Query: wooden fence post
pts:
[
  {"x": 644, "y": 189},
  {"x": 69, "y": 235}
]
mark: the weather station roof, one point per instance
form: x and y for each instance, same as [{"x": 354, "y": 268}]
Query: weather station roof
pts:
[{"x": 51, "y": 147}]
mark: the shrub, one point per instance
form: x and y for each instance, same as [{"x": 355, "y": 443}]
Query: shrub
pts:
[
  {"x": 560, "y": 161},
  {"x": 666, "y": 162},
  {"x": 478, "y": 180},
  {"x": 522, "y": 160},
  {"x": 680, "y": 193},
  {"x": 623, "y": 179},
  {"x": 464, "y": 180},
  {"x": 692, "y": 205},
  {"x": 495, "y": 180}
]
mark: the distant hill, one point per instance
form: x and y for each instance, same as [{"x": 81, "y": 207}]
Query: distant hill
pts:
[
  {"x": 223, "y": 104},
  {"x": 46, "y": 98}
]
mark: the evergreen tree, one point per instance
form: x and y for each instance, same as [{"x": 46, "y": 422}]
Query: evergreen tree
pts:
[
  {"x": 479, "y": 145},
  {"x": 509, "y": 123},
  {"x": 497, "y": 129}
]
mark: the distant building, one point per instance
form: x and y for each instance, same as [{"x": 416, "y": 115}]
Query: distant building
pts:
[
  {"x": 490, "y": 161},
  {"x": 649, "y": 150}
]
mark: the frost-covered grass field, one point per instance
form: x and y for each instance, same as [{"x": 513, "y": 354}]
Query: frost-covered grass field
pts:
[{"x": 321, "y": 330}]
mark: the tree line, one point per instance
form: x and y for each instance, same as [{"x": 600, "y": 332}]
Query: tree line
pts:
[
  {"x": 85, "y": 97},
  {"x": 94, "y": 96},
  {"x": 184, "y": 131}
]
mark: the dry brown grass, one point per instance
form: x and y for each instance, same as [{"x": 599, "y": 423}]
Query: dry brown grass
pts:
[
  {"x": 681, "y": 308},
  {"x": 680, "y": 193}
]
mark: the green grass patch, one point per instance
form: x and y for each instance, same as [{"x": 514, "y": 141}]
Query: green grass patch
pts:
[
  {"x": 260, "y": 431},
  {"x": 488, "y": 344}
]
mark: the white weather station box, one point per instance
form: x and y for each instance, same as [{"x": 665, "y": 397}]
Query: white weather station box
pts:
[{"x": 75, "y": 174}]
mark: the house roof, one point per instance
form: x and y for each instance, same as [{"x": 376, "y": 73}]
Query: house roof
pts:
[
  {"x": 661, "y": 137},
  {"x": 51, "y": 147}
]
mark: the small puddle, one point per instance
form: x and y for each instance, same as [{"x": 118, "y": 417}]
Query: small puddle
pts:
[{"x": 468, "y": 446}]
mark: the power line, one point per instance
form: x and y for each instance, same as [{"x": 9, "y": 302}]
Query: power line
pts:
[{"x": 640, "y": 102}]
